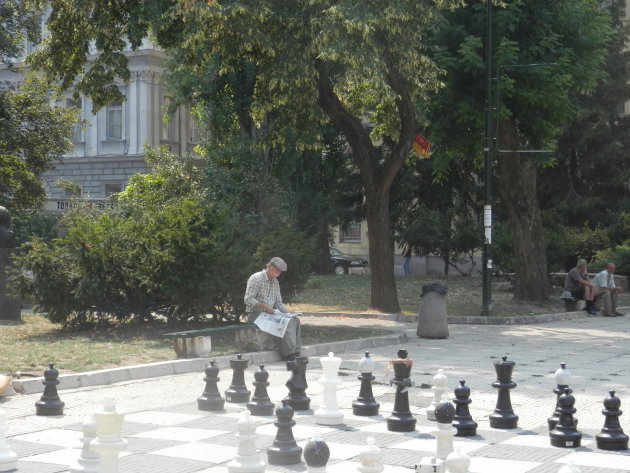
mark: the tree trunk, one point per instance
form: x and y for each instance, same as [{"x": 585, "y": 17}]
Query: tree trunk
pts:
[
  {"x": 383, "y": 296},
  {"x": 517, "y": 188}
]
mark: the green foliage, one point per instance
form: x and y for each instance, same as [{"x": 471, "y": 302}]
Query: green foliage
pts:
[
  {"x": 166, "y": 248},
  {"x": 29, "y": 224},
  {"x": 19, "y": 22},
  {"x": 620, "y": 255},
  {"x": 437, "y": 217},
  {"x": 32, "y": 135}
]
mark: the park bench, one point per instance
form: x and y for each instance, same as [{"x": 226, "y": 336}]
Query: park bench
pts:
[
  {"x": 198, "y": 343},
  {"x": 570, "y": 302}
]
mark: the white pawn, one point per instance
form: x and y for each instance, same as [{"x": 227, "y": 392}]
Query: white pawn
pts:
[
  {"x": 569, "y": 468},
  {"x": 440, "y": 386},
  {"x": 8, "y": 458},
  {"x": 370, "y": 458},
  {"x": 88, "y": 459},
  {"x": 328, "y": 412},
  {"x": 457, "y": 462},
  {"x": 247, "y": 459},
  {"x": 108, "y": 442}
]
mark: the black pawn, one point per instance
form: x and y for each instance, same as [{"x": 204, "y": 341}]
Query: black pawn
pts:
[
  {"x": 366, "y": 405},
  {"x": 612, "y": 437},
  {"x": 50, "y": 404},
  {"x": 261, "y": 405},
  {"x": 503, "y": 416},
  {"x": 565, "y": 435},
  {"x": 284, "y": 450},
  {"x": 463, "y": 421},
  {"x": 401, "y": 419},
  {"x": 297, "y": 397},
  {"x": 558, "y": 390},
  {"x": 211, "y": 399},
  {"x": 238, "y": 392}
]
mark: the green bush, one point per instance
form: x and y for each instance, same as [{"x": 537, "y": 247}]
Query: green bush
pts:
[
  {"x": 165, "y": 248},
  {"x": 620, "y": 255}
]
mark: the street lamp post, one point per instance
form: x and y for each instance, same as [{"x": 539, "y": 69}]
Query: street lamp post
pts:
[{"x": 486, "y": 304}]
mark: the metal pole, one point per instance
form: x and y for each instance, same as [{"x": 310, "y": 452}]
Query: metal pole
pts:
[{"x": 486, "y": 304}]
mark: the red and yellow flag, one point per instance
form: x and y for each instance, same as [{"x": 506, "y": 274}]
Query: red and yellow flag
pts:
[{"x": 421, "y": 145}]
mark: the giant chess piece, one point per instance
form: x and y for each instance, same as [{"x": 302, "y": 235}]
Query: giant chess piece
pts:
[
  {"x": 328, "y": 412},
  {"x": 561, "y": 377},
  {"x": 50, "y": 404},
  {"x": 108, "y": 442},
  {"x": 612, "y": 436},
  {"x": 463, "y": 421},
  {"x": 210, "y": 399},
  {"x": 238, "y": 392},
  {"x": 370, "y": 458},
  {"x": 565, "y": 434},
  {"x": 401, "y": 419},
  {"x": 457, "y": 462},
  {"x": 444, "y": 414},
  {"x": 88, "y": 459},
  {"x": 366, "y": 405},
  {"x": 316, "y": 455},
  {"x": 440, "y": 386},
  {"x": 247, "y": 459},
  {"x": 261, "y": 405},
  {"x": 503, "y": 416},
  {"x": 297, "y": 397},
  {"x": 8, "y": 458},
  {"x": 284, "y": 450}
]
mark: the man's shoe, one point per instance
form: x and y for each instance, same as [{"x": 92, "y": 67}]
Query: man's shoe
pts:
[
  {"x": 618, "y": 314},
  {"x": 591, "y": 311},
  {"x": 608, "y": 314}
]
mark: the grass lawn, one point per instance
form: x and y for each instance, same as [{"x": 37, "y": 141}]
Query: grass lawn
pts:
[
  {"x": 29, "y": 345},
  {"x": 351, "y": 293}
]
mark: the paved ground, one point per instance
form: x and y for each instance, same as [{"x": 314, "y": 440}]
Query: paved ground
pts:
[{"x": 167, "y": 433}]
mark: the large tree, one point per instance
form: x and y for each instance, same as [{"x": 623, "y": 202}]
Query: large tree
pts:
[
  {"x": 589, "y": 186},
  {"x": 32, "y": 132},
  {"x": 361, "y": 65},
  {"x": 544, "y": 51}
]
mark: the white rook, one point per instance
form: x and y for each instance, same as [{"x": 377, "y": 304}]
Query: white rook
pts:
[
  {"x": 328, "y": 412},
  {"x": 108, "y": 442}
]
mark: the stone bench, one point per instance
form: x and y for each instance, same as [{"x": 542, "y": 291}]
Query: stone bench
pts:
[
  {"x": 198, "y": 343},
  {"x": 570, "y": 302}
]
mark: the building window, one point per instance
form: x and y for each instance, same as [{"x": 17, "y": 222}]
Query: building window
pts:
[
  {"x": 112, "y": 188},
  {"x": 169, "y": 128},
  {"x": 77, "y": 135},
  {"x": 114, "y": 121},
  {"x": 350, "y": 233},
  {"x": 195, "y": 133}
]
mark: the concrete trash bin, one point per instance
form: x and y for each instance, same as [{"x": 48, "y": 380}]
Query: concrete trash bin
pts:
[{"x": 432, "y": 321}]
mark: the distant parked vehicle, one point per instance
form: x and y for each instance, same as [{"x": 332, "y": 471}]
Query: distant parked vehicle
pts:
[{"x": 342, "y": 262}]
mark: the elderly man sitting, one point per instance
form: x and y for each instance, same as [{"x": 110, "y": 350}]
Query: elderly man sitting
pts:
[
  {"x": 578, "y": 284},
  {"x": 263, "y": 295},
  {"x": 607, "y": 290}
]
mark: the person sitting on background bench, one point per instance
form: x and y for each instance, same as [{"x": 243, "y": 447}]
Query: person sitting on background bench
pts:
[
  {"x": 578, "y": 284},
  {"x": 607, "y": 290}
]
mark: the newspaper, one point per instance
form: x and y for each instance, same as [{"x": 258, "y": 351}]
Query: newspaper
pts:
[{"x": 276, "y": 323}]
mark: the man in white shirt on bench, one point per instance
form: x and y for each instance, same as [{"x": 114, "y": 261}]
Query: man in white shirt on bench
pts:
[{"x": 607, "y": 291}]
